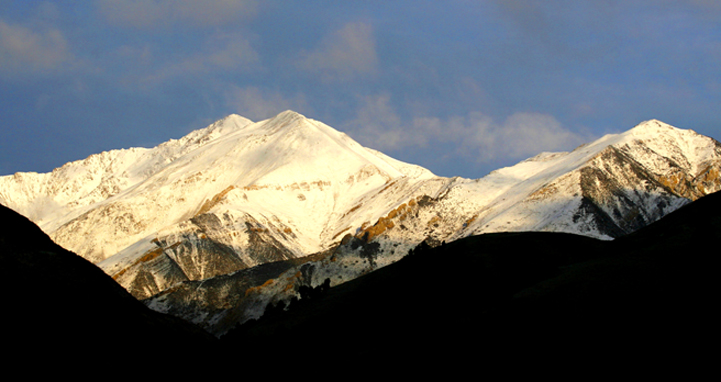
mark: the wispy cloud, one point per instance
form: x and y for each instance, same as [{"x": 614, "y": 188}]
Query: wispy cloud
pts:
[
  {"x": 258, "y": 104},
  {"x": 476, "y": 135},
  {"x": 149, "y": 14},
  {"x": 26, "y": 50},
  {"x": 377, "y": 125},
  {"x": 520, "y": 136},
  {"x": 344, "y": 55},
  {"x": 221, "y": 54}
]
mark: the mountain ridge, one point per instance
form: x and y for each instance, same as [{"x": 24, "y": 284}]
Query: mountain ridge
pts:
[
  {"x": 544, "y": 297},
  {"x": 237, "y": 194},
  {"x": 496, "y": 296}
]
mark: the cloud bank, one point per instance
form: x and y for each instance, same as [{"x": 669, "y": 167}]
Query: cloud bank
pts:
[
  {"x": 344, "y": 55},
  {"x": 476, "y": 135},
  {"x": 455, "y": 85},
  {"x": 24, "y": 50}
]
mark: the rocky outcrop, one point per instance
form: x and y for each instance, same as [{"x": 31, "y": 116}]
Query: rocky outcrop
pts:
[{"x": 178, "y": 224}]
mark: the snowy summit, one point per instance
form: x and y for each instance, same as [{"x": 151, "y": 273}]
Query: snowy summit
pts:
[{"x": 238, "y": 194}]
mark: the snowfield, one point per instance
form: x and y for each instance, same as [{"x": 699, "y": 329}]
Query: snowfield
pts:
[{"x": 238, "y": 194}]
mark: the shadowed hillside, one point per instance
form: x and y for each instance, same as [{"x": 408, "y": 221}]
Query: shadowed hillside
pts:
[
  {"x": 520, "y": 297},
  {"x": 53, "y": 298},
  {"x": 527, "y": 296}
]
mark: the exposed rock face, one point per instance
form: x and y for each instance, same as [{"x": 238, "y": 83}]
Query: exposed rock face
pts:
[
  {"x": 183, "y": 221},
  {"x": 234, "y": 195},
  {"x": 622, "y": 195},
  {"x": 605, "y": 189}
]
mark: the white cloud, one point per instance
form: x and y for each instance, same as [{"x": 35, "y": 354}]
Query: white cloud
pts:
[
  {"x": 476, "y": 135},
  {"x": 25, "y": 50},
  {"x": 377, "y": 125},
  {"x": 228, "y": 52},
  {"x": 163, "y": 13},
  {"x": 520, "y": 136},
  {"x": 344, "y": 54},
  {"x": 258, "y": 104}
]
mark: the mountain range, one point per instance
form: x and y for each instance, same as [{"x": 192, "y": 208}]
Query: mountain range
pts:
[
  {"x": 519, "y": 302},
  {"x": 219, "y": 224}
]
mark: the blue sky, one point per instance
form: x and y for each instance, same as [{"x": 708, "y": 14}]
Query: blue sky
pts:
[{"x": 459, "y": 87}]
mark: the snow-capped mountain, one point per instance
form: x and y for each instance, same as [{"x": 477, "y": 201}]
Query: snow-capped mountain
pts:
[
  {"x": 604, "y": 189},
  {"x": 197, "y": 218},
  {"x": 233, "y": 195}
]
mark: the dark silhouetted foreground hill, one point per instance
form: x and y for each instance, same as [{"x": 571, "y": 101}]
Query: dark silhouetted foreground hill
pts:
[
  {"x": 58, "y": 304},
  {"x": 546, "y": 297},
  {"x": 559, "y": 299}
]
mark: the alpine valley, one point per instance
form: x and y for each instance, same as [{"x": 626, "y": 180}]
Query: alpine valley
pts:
[{"x": 218, "y": 225}]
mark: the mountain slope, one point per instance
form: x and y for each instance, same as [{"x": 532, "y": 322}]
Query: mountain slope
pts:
[
  {"x": 604, "y": 189},
  {"x": 231, "y": 196},
  {"x": 538, "y": 298},
  {"x": 527, "y": 297},
  {"x": 237, "y": 195},
  {"x": 53, "y": 298}
]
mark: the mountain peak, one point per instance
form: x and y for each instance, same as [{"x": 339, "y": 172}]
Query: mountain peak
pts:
[
  {"x": 230, "y": 122},
  {"x": 237, "y": 119},
  {"x": 654, "y": 121},
  {"x": 288, "y": 116},
  {"x": 284, "y": 120},
  {"x": 652, "y": 126},
  {"x": 239, "y": 194}
]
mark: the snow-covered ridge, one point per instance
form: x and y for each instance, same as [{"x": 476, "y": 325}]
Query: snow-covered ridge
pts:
[
  {"x": 603, "y": 189},
  {"x": 47, "y": 198},
  {"x": 292, "y": 171},
  {"x": 237, "y": 194}
]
